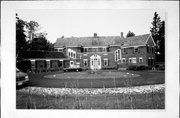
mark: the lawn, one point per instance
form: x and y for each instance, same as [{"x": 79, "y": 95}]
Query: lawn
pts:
[
  {"x": 150, "y": 100},
  {"x": 145, "y": 78}
]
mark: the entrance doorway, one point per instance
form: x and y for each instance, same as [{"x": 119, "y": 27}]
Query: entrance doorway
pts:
[{"x": 95, "y": 62}]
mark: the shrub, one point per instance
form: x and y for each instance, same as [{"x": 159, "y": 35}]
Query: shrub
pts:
[
  {"x": 160, "y": 67},
  {"x": 132, "y": 67},
  {"x": 142, "y": 67},
  {"x": 137, "y": 67}
]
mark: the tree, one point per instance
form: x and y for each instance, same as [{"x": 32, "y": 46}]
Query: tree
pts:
[
  {"x": 41, "y": 43},
  {"x": 21, "y": 44},
  {"x": 155, "y": 27},
  {"x": 130, "y": 34},
  {"x": 158, "y": 33},
  {"x": 32, "y": 27}
]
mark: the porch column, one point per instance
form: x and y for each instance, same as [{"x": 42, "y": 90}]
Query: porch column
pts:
[
  {"x": 33, "y": 65},
  {"x": 48, "y": 65}
]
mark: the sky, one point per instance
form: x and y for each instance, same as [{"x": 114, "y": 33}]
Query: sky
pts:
[{"x": 81, "y": 23}]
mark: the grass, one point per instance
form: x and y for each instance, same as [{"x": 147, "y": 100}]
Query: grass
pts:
[
  {"x": 153, "y": 100},
  {"x": 103, "y": 101},
  {"x": 145, "y": 78}
]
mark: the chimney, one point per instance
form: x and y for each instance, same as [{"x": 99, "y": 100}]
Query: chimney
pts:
[
  {"x": 95, "y": 34},
  {"x": 122, "y": 35}
]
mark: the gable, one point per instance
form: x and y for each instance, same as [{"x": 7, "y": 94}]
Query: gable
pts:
[{"x": 150, "y": 41}]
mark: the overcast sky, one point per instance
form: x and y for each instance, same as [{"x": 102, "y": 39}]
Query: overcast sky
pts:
[{"x": 79, "y": 23}]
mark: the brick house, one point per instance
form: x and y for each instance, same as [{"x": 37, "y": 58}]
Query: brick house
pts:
[
  {"x": 43, "y": 61},
  {"x": 101, "y": 52}
]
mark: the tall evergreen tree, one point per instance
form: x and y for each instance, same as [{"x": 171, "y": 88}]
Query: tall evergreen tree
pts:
[
  {"x": 158, "y": 33},
  {"x": 155, "y": 26}
]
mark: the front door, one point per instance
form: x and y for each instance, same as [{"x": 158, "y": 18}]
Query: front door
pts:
[{"x": 95, "y": 62}]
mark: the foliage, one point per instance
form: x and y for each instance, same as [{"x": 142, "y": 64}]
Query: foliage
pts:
[
  {"x": 158, "y": 33},
  {"x": 28, "y": 39},
  {"x": 21, "y": 43},
  {"x": 41, "y": 43},
  {"x": 32, "y": 27},
  {"x": 130, "y": 34}
]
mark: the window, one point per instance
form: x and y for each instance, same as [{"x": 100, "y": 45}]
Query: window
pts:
[
  {"x": 152, "y": 50},
  {"x": 130, "y": 60},
  {"x": 124, "y": 50},
  {"x": 60, "y": 50},
  {"x": 135, "y": 49},
  {"x": 85, "y": 61},
  {"x": 85, "y": 49},
  {"x": 105, "y": 62},
  {"x": 140, "y": 59},
  {"x": 98, "y": 61},
  {"x": 147, "y": 48},
  {"x": 71, "y": 63},
  {"x": 117, "y": 55},
  {"x": 123, "y": 60},
  {"x": 72, "y": 53},
  {"x": 133, "y": 60},
  {"x": 104, "y": 49}
]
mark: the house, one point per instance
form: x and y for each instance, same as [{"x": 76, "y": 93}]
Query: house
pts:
[
  {"x": 101, "y": 52},
  {"x": 43, "y": 61}
]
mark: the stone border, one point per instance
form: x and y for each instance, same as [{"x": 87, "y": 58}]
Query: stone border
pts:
[{"x": 93, "y": 91}]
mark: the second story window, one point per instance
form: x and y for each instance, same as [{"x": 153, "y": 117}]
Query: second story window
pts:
[
  {"x": 135, "y": 49},
  {"x": 85, "y": 50},
  {"x": 147, "y": 48}
]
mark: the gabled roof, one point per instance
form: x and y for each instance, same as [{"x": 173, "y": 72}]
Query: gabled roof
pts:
[
  {"x": 43, "y": 54},
  {"x": 102, "y": 41},
  {"x": 136, "y": 40}
]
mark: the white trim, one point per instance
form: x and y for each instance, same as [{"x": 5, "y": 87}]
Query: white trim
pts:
[
  {"x": 141, "y": 59},
  {"x": 95, "y": 47},
  {"x": 85, "y": 60},
  {"x": 124, "y": 60},
  {"x": 105, "y": 60},
  {"x": 134, "y": 60},
  {"x": 47, "y": 59},
  {"x": 150, "y": 37},
  {"x": 71, "y": 64},
  {"x": 132, "y": 46},
  {"x": 95, "y": 62},
  {"x": 118, "y": 54}
]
